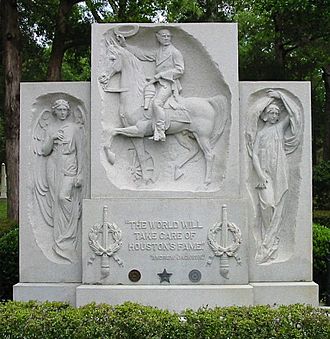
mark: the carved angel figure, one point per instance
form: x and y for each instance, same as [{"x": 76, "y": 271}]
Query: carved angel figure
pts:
[
  {"x": 279, "y": 135},
  {"x": 59, "y": 139}
]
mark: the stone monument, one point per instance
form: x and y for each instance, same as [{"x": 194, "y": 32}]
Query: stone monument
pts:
[
  {"x": 166, "y": 181},
  {"x": 3, "y": 189}
]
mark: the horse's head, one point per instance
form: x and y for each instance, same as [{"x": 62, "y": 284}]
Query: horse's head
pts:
[
  {"x": 114, "y": 61},
  {"x": 121, "y": 60}
]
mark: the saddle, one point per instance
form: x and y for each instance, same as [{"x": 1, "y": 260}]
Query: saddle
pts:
[{"x": 174, "y": 111}]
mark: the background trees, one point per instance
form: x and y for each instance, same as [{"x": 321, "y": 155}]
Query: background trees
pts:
[{"x": 278, "y": 39}]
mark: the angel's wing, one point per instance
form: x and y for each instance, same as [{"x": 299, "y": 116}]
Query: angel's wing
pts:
[
  {"x": 40, "y": 185},
  {"x": 79, "y": 116},
  {"x": 80, "y": 120}
]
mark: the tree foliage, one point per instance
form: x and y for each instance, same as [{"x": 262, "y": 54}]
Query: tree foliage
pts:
[{"x": 288, "y": 40}]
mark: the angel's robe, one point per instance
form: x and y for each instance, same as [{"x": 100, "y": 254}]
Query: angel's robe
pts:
[{"x": 62, "y": 170}]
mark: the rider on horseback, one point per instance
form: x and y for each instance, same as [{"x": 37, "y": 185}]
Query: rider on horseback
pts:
[{"x": 169, "y": 68}]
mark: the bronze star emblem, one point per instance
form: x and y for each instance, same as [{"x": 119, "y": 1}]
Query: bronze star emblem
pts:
[{"x": 164, "y": 276}]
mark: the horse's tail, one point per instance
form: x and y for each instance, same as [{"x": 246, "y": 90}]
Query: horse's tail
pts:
[{"x": 220, "y": 105}]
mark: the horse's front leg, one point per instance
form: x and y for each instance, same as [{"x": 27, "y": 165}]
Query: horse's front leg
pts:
[
  {"x": 111, "y": 157},
  {"x": 131, "y": 131},
  {"x": 137, "y": 131}
]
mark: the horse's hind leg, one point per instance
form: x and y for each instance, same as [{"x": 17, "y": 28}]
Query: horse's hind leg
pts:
[
  {"x": 205, "y": 145},
  {"x": 185, "y": 141}
]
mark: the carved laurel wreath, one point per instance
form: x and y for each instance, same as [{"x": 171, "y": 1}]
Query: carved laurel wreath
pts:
[
  {"x": 219, "y": 250},
  {"x": 97, "y": 247}
]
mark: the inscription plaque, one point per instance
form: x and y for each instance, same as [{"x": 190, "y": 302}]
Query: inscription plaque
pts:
[{"x": 167, "y": 233}]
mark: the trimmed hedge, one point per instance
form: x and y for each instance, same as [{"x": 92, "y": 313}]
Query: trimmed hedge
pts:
[{"x": 59, "y": 320}]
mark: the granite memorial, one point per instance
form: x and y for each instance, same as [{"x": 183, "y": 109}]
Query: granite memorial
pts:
[{"x": 165, "y": 181}]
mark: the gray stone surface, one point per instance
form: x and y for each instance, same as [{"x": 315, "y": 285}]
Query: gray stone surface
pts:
[
  {"x": 156, "y": 168},
  {"x": 176, "y": 298},
  {"x": 63, "y": 292},
  {"x": 157, "y": 234},
  {"x": 286, "y": 293},
  {"x": 286, "y": 238},
  {"x": 3, "y": 189},
  {"x": 54, "y": 176}
]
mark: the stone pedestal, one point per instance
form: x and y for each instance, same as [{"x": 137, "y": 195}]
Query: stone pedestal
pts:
[
  {"x": 176, "y": 298},
  {"x": 64, "y": 292}
]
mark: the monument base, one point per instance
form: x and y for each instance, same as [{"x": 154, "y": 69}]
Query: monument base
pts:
[
  {"x": 65, "y": 292},
  {"x": 175, "y": 297},
  {"x": 286, "y": 293}
]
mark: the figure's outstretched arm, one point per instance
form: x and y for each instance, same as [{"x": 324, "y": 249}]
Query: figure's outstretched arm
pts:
[{"x": 139, "y": 53}]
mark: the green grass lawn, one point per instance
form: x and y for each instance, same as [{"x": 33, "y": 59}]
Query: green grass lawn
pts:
[
  {"x": 5, "y": 224},
  {"x": 3, "y": 209}
]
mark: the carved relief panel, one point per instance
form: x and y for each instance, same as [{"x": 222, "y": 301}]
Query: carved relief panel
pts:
[
  {"x": 165, "y": 109},
  {"x": 274, "y": 135},
  {"x": 55, "y": 173},
  {"x": 277, "y": 175}
]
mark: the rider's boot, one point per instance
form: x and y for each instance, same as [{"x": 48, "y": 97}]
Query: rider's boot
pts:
[{"x": 159, "y": 133}]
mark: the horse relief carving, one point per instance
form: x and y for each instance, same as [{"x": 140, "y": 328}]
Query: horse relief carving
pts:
[
  {"x": 59, "y": 181},
  {"x": 274, "y": 136},
  {"x": 152, "y": 107}
]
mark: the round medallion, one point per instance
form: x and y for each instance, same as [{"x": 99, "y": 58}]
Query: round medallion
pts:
[
  {"x": 134, "y": 275},
  {"x": 195, "y": 276}
]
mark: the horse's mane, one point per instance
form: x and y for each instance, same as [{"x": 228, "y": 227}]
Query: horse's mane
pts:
[{"x": 135, "y": 69}]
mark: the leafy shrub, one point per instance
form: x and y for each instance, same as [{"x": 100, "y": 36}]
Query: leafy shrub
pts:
[
  {"x": 322, "y": 218},
  {"x": 321, "y": 250},
  {"x": 321, "y": 246},
  {"x": 6, "y": 226},
  {"x": 8, "y": 263},
  {"x": 321, "y": 186},
  {"x": 59, "y": 320}
]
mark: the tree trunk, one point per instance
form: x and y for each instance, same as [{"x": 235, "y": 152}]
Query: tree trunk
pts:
[
  {"x": 279, "y": 49},
  {"x": 315, "y": 131},
  {"x": 12, "y": 71},
  {"x": 326, "y": 145},
  {"x": 58, "y": 47}
]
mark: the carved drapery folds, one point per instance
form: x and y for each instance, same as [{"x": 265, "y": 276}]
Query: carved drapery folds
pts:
[
  {"x": 273, "y": 135},
  {"x": 59, "y": 174}
]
